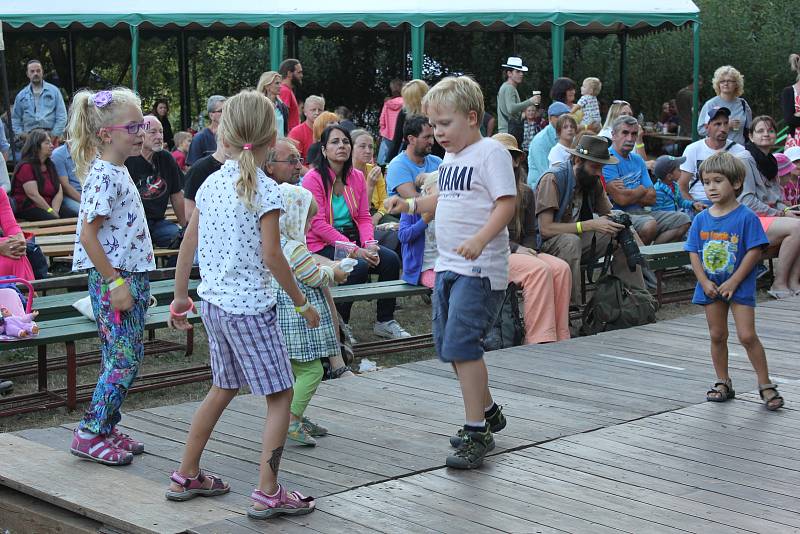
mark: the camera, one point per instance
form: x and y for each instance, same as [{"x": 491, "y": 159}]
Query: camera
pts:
[{"x": 626, "y": 241}]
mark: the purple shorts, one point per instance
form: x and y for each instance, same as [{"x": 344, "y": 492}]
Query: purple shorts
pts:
[{"x": 247, "y": 349}]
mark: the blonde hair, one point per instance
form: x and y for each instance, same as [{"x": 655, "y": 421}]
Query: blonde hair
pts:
[
  {"x": 461, "y": 93},
  {"x": 615, "y": 112},
  {"x": 266, "y": 79},
  {"x": 794, "y": 64},
  {"x": 594, "y": 84},
  {"x": 413, "y": 92},
  {"x": 248, "y": 119},
  {"x": 86, "y": 119},
  {"x": 180, "y": 137},
  {"x": 727, "y": 165},
  {"x": 727, "y": 70},
  {"x": 322, "y": 122},
  {"x": 359, "y": 132}
]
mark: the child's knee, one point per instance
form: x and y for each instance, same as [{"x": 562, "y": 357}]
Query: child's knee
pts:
[
  {"x": 718, "y": 334},
  {"x": 748, "y": 340}
]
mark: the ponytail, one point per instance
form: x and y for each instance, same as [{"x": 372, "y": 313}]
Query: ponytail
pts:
[
  {"x": 247, "y": 184},
  {"x": 794, "y": 64}
]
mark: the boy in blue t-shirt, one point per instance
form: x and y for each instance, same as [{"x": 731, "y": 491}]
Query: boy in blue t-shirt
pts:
[{"x": 724, "y": 244}]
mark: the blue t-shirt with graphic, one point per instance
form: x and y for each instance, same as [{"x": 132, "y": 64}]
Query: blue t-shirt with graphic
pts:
[
  {"x": 721, "y": 243},
  {"x": 633, "y": 173},
  {"x": 401, "y": 170}
]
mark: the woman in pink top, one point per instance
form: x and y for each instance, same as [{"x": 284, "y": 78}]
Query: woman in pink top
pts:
[
  {"x": 341, "y": 195},
  {"x": 13, "y": 261}
]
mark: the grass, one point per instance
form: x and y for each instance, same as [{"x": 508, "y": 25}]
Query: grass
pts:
[{"x": 413, "y": 314}]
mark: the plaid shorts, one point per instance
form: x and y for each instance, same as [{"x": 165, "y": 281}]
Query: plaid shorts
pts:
[{"x": 247, "y": 349}]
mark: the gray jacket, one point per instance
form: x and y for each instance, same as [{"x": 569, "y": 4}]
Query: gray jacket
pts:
[{"x": 765, "y": 197}]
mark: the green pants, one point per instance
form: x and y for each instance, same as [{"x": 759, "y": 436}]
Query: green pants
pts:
[{"x": 307, "y": 376}]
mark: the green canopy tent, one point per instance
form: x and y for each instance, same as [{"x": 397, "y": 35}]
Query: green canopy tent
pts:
[{"x": 619, "y": 17}]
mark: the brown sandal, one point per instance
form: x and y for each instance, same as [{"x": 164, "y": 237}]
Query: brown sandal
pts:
[
  {"x": 715, "y": 394},
  {"x": 773, "y": 403}
]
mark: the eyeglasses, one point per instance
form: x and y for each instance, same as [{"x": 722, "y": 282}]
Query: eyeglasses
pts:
[
  {"x": 290, "y": 161},
  {"x": 728, "y": 81},
  {"x": 133, "y": 128}
]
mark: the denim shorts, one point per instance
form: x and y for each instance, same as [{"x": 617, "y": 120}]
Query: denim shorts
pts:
[{"x": 463, "y": 310}]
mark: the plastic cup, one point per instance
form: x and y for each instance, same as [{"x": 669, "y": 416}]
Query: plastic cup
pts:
[
  {"x": 342, "y": 250},
  {"x": 372, "y": 246}
]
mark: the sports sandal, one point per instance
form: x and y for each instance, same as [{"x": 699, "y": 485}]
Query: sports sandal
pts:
[
  {"x": 773, "y": 403},
  {"x": 98, "y": 449},
  {"x": 715, "y": 394},
  {"x": 289, "y": 503},
  {"x": 193, "y": 487},
  {"x": 124, "y": 442},
  {"x": 496, "y": 423}
]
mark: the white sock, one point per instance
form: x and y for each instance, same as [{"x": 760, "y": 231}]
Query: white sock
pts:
[
  {"x": 476, "y": 424},
  {"x": 83, "y": 434}
]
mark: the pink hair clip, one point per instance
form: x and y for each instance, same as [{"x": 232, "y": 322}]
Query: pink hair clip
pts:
[{"x": 248, "y": 146}]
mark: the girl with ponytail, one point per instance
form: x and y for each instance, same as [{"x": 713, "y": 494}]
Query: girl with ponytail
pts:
[
  {"x": 790, "y": 104},
  {"x": 113, "y": 244},
  {"x": 234, "y": 228}
]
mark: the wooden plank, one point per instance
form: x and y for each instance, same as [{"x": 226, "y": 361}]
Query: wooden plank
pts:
[{"x": 23, "y": 513}]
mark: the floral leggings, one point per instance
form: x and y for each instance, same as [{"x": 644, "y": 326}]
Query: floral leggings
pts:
[{"x": 121, "y": 346}]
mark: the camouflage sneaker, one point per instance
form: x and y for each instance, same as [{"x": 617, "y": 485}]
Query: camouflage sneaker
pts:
[
  {"x": 474, "y": 446},
  {"x": 496, "y": 423},
  {"x": 299, "y": 433},
  {"x": 314, "y": 429}
]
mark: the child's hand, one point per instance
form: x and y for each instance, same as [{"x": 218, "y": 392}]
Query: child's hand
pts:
[
  {"x": 181, "y": 306},
  {"x": 710, "y": 288},
  {"x": 339, "y": 276},
  {"x": 121, "y": 298},
  {"x": 470, "y": 249},
  {"x": 727, "y": 289},
  {"x": 698, "y": 207},
  {"x": 311, "y": 316},
  {"x": 396, "y": 205}
]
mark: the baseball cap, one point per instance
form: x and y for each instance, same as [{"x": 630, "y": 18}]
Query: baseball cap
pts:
[
  {"x": 793, "y": 153},
  {"x": 716, "y": 110},
  {"x": 785, "y": 165},
  {"x": 666, "y": 164},
  {"x": 557, "y": 109}
]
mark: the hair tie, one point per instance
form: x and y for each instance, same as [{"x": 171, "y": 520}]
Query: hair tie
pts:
[
  {"x": 248, "y": 146},
  {"x": 102, "y": 98}
]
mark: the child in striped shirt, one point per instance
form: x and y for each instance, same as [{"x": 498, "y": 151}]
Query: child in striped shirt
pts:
[
  {"x": 306, "y": 346},
  {"x": 668, "y": 196}
]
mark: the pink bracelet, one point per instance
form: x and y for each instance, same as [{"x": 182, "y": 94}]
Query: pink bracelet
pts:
[{"x": 182, "y": 314}]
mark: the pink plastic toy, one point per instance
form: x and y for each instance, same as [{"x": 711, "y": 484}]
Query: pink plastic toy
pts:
[{"x": 16, "y": 321}]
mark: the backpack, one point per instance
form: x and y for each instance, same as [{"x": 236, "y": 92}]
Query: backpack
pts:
[
  {"x": 507, "y": 329},
  {"x": 614, "y": 305}
]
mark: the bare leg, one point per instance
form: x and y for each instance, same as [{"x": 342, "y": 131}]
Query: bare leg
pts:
[
  {"x": 785, "y": 232},
  {"x": 487, "y": 399},
  {"x": 474, "y": 380},
  {"x": 273, "y": 439},
  {"x": 717, "y": 317},
  {"x": 676, "y": 234},
  {"x": 203, "y": 422},
  {"x": 745, "y": 319}
]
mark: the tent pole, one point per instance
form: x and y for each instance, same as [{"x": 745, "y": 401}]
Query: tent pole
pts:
[
  {"x": 695, "y": 77},
  {"x": 183, "y": 80},
  {"x": 134, "y": 57},
  {"x": 417, "y": 51},
  {"x": 557, "y": 44},
  {"x": 623, "y": 64},
  {"x": 275, "y": 46}
]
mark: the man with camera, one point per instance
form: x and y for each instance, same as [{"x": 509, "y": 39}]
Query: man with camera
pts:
[
  {"x": 629, "y": 185},
  {"x": 572, "y": 212}
]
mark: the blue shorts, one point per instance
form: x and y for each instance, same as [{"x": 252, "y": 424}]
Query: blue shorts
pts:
[{"x": 463, "y": 310}]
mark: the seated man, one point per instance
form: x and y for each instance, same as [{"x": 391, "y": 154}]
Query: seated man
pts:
[
  {"x": 158, "y": 179},
  {"x": 72, "y": 187},
  {"x": 570, "y": 209},
  {"x": 415, "y": 161},
  {"x": 542, "y": 143},
  {"x": 629, "y": 185}
]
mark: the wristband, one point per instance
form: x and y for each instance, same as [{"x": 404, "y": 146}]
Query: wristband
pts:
[
  {"x": 119, "y": 281},
  {"x": 639, "y": 145},
  {"x": 412, "y": 205},
  {"x": 181, "y": 314},
  {"x": 303, "y": 307},
  {"x": 579, "y": 226},
  {"x": 786, "y": 210},
  {"x": 50, "y": 210}
]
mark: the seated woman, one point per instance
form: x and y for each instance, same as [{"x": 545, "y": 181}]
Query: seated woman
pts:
[
  {"x": 546, "y": 281},
  {"x": 417, "y": 235},
  {"x": 364, "y": 161},
  {"x": 763, "y": 194},
  {"x": 35, "y": 187},
  {"x": 341, "y": 194},
  {"x": 566, "y": 127},
  {"x": 13, "y": 259}
]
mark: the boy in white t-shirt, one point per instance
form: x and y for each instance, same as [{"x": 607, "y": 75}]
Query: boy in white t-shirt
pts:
[{"x": 474, "y": 205}]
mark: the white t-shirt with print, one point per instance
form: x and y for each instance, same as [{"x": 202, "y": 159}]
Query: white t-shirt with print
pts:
[
  {"x": 469, "y": 184},
  {"x": 695, "y": 154},
  {"x": 558, "y": 155},
  {"x": 232, "y": 268},
  {"x": 109, "y": 192}
]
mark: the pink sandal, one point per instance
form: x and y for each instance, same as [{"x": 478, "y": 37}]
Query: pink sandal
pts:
[
  {"x": 98, "y": 449},
  {"x": 125, "y": 442},
  {"x": 193, "y": 487},
  {"x": 283, "y": 502}
]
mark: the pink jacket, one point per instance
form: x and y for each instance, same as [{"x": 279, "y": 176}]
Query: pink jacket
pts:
[
  {"x": 391, "y": 109},
  {"x": 322, "y": 232},
  {"x": 20, "y": 267}
]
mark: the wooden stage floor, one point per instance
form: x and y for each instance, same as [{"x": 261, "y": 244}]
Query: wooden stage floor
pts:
[{"x": 608, "y": 433}]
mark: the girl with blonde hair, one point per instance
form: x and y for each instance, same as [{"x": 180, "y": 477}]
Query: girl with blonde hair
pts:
[{"x": 235, "y": 230}]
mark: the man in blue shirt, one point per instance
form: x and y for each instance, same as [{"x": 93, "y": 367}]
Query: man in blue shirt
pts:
[
  {"x": 416, "y": 159},
  {"x": 629, "y": 185},
  {"x": 72, "y": 187},
  {"x": 205, "y": 142},
  {"x": 39, "y": 105},
  {"x": 542, "y": 143}
]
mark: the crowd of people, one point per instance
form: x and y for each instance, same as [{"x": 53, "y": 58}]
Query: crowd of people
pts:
[{"x": 275, "y": 194}]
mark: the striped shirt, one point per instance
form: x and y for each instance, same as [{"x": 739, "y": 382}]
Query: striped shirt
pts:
[{"x": 668, "y": 198}]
